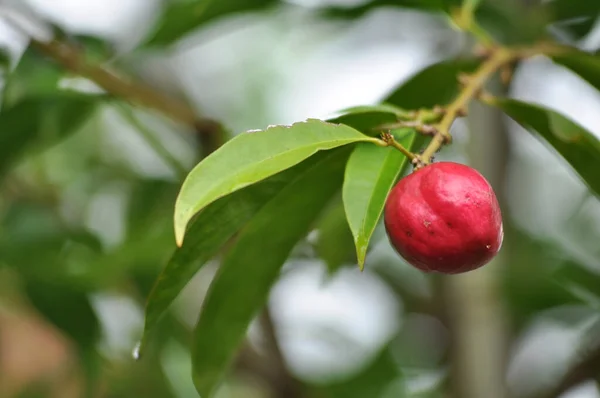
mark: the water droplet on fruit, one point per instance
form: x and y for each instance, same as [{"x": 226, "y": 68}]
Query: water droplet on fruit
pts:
[{"x": 488, "y": 246}]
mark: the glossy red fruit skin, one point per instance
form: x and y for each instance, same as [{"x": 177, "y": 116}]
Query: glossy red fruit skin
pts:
[{"x": 445, "y": 218}]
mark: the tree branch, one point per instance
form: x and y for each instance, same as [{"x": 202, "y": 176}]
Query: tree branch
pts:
[
  {"x": 70, "y": 58},
  {"x": 473, "y": 84}
]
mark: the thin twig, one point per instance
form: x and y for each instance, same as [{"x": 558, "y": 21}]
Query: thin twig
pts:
[
  {"x": 472, "y": 87},
  {"x": 74, "y": 60},
  {"x": 420, "y": 127},
  {"x": 387, "y": 139}
]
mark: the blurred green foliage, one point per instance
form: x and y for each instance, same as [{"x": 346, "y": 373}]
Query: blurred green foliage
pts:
[{"x": 86, "y": 233}]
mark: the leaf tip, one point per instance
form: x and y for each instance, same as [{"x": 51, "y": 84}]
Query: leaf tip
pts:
[
  {"x": 361, "y": 254},
  {"x": 179, "y": 232}
]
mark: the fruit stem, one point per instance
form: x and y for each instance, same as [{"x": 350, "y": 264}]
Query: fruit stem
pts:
[
  {"x": 420, "y": 127},
  {"x": 473, "y": 84},
  {"x": 387, "y": 139}
]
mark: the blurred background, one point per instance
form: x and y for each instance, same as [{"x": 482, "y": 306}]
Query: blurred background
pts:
[{"x": 86, "y": 203}]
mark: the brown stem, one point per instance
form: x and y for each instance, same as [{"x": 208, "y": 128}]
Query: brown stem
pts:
[
  {"x": 473, "y": 85},
  {"x": 387, "y": 139},
  {"x": 73, "y": 60},
  {"x": 70, "y": 58}
]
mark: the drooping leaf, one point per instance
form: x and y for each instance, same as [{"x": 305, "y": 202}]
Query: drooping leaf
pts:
[
  {"x": 471, "y": 4},
  {"x": 70, "y": 310},
  {"x": 67, "y": 308},
  {"x": 370, "y": 175},
  {"x": 253, "y": 156},
  {"x": 149, "y": 206},
  {"x": 366, "y": 118},
  {"x": 334, "y": 243},
  {"x": 584, "y": 64},
  {"x": 435, "y": 85},
  {"x": 563, "y": 10},
  {"x": 181, "y": 18},
  {"x": 578, "y": 17},
  {"x": 579, "y": 147},
  {"x": 40, "y": 122},
  {"x": 207, "y": 234},
  {"x": 529, "y": 282},
  {"x": 514, "y": 22},
  {"x": 362, "y": 9},
  {"x": 242, "y": 284},
  {"x": 26, "y": 225},
  {"x": 5, "y": 60}
]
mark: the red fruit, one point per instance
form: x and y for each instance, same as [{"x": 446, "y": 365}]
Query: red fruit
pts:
[{"x": 445, "y": 218}]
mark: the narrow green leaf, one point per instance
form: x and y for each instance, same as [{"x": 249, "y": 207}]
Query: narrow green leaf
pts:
[
  {"x": 207, "y": 234},
  {"x": 562, "y": 10},
  {"x": 513, "y": 22},
  {"x": 67, "y": 308},
  {"x": 389, "y": 108},
  {"x": 370, "y": 175},
  {"x": 334, "y": 243},
  {"x": 71, "y": 311},
  {"x": 365, "y": 119},
  {"x": 584, "y": 64},
  {"x": 579, "y": 147},
  {"x": 471, "y": 4},
  {"x": 251, "y": 157},
  {"x": 435, "y": 85},
  {"x": 362, "y": 9},
  {"x": 242, "y": 284},
  {"x": 181, "y": 18},
  {"x": 577, "y": 17},
  {"x": 5, "y": 59},
  {"x": 39, "y": 123}
]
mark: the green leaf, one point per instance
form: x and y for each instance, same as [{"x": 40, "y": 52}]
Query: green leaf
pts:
[
  {"x": 435, "y": 85},
  {"x": 364, "y": 119},
  {"x": 208, "y": 233},
  {"x": 5, "y": 59},
  {"x": 67, "y": 308},
  {"x": 577, "y": 17},
  {"x": 562, "y": 10},
  {"x": 33, "y": 76},
  {"x": 471, "y": 4},
  {"x": 370, "y": 175},
  {"x": 253, "y": 156},
  {"x": 584, "y": 64},
  {"x": 242, "y": 284},
  {"x": 359, "y": 11},
  {"x": 335, "y": 244},
  {"x": 39, "y": 123},
  {"x": 181, "y": 18},
  {"x": 529, "y": 280},
  {"x": 71, "y": 311},
  {"x": 579, "y": 147},
  {"x": 513, "y": 22}
]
